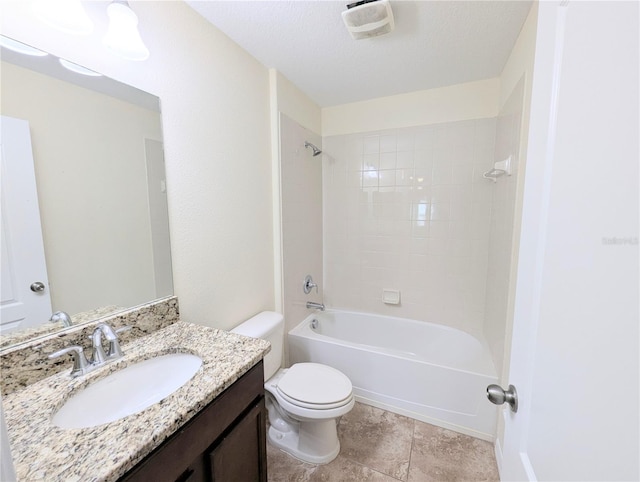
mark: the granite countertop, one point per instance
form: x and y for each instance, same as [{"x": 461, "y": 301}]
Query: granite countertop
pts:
[
  {"x": 42, "y": 451},
  {"x": 15, "y": 337}
]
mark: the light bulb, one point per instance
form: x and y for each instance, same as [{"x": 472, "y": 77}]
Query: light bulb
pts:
[{"x": 122, "y": 36}]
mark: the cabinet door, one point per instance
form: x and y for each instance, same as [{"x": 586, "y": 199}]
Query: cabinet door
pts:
[{"x": 241, "y": 455}]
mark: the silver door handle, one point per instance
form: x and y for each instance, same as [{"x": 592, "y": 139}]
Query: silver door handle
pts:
[
  {"x": 498, "y": 395},
  {"x": 37, "y": 287}
]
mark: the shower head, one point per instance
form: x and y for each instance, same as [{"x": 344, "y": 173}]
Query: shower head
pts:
[{"x": 316, "y": 151}]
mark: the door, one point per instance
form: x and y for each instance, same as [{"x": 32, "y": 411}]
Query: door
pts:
[
  {"x": 24, "y": 287},
  {"x": 575, "y": 344},
  {"x": 159, "y": 215},
  {"x": 241, "y": 455}
]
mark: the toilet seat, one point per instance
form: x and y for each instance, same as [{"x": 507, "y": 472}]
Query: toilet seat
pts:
[
  {"x": 313, "y": 406},
  {"x": 315, "y": 386},
  {"x": 314, "y": 379}
]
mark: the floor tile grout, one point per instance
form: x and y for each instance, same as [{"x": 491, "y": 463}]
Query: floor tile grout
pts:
[
  {"x": 413, "y": 443},
  {"x": 437, "y": 448}
]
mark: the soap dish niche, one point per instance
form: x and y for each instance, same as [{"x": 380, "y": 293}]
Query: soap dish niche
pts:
[{"x": 391, "y": 297}]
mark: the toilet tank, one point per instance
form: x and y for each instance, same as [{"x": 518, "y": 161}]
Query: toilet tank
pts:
[{"x": 269, "y": 326}]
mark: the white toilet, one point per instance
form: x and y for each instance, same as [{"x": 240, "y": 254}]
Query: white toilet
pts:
[{"x": 304, "y": 401}]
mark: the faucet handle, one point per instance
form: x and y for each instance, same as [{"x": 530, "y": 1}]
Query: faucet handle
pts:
[
  {"x": 122, "y": 329},
  {"x": 80, "y": 362},
  {"x": 114, "y": 344},
  {"x": 308, "y": 284}
]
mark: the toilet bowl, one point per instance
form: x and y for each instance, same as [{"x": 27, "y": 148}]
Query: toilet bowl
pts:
[{"x": 304, "y": 401}]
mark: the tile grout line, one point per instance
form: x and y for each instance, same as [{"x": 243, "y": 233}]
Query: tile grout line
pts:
[
  {"x": 372, "y": 469},
  {"x": 413, "y": 439}
]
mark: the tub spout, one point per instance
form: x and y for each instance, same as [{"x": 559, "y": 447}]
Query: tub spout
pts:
[{"x": 314, "y": 305}]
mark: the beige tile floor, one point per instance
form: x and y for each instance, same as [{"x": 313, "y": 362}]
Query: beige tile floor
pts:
[{"x": 381, "y": 446}]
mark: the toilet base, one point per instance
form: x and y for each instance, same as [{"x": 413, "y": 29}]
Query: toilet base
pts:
[{"x": 313, "y": 442}]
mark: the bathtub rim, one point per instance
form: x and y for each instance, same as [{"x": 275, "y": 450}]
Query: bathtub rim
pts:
[{"x": 302, "y": 329}]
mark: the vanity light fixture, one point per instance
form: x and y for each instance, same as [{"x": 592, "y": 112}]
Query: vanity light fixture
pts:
[
  {"x": 21, "y": 48},
  {"x": 122, "y": 36},
  {"x": 78, "y": 69},
  {"x": 66, "y": 15}
]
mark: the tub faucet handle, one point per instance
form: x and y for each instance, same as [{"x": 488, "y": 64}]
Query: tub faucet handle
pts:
[{"x": 308, "y": 284}]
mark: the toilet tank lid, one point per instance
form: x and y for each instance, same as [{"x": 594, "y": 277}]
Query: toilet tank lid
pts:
[{"x": 260, "y": 325}]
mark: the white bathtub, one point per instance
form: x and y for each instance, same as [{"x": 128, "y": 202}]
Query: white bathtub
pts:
[{"x": 422, "y": 370}]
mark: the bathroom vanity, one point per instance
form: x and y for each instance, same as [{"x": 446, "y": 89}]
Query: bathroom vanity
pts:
[
  {"x": 225, "y": 441},
  {"x": 211, "y": 428}
]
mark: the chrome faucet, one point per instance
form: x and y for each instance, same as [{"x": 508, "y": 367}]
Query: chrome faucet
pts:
[
  {"x": 82, "y": 366},
  {"x": 61, "y": 316},
  {"x": 114, "y": 351},
  {"x": 314, "y": 305}
]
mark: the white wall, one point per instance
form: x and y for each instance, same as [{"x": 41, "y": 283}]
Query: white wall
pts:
[
  {"x": 286, "y": 99},
  {"x": 297, "y": 181},
  {"x": 520, "y": 60},
  {"x": 301, "y": 219},
  {"x": 84, "y": 143},
  {"x": 296, "y": 105},
  {"x": 215, "y": 114},
  {"x": 503, "y": 206},
  {"x": 473, "y": 100}
]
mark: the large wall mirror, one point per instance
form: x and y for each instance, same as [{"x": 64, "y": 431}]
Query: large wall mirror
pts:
[{"x": 99, "y": 179}]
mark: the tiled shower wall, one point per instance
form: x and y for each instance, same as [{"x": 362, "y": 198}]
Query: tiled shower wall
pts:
[{"x": 408, "y": 209}]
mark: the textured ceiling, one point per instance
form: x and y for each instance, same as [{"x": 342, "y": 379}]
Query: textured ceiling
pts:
[{"x": 434, "y": 44}]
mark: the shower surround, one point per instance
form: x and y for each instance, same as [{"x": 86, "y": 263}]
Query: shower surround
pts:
[{"x": 408, "y": 209}]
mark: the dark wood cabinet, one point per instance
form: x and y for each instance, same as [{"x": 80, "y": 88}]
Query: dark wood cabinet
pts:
[{"x": 225, "y": 442}]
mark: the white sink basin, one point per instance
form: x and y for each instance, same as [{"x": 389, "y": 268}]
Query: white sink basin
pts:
[{"x": 127, "y": 391}]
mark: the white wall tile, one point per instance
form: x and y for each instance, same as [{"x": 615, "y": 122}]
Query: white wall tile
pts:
[
  {"x": 406, "y": 140},
  {"x": 387, "y": 160},
  {"x": 371, "y": 145},
  {"x": 388, "y": 143},
  {"x": 422, "y": 225},
  {"x": 387, "y": 178}
]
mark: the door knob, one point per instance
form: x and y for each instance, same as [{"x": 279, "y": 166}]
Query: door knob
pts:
[
  {"x": 37, "y": 287},
  {"x": 496, "y": 394}
]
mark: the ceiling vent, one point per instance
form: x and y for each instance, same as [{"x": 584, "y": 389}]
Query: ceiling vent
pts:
[{"x": 368, "y": 18}]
